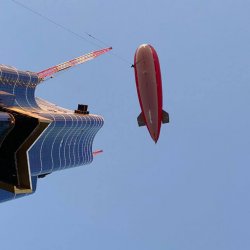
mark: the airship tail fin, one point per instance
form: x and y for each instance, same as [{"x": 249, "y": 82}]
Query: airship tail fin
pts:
[
  {"x": 165, "y": 117},
  {"x": 140, "y": 120}
]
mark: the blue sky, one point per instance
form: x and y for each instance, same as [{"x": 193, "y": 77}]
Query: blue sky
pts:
[{"x": 190, "y": 190}]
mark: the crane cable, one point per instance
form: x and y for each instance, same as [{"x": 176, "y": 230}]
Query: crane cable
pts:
[{"x": 71, "y": 31}]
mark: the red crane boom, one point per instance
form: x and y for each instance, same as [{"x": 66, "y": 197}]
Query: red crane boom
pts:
[{"x": 78, "y": 60}]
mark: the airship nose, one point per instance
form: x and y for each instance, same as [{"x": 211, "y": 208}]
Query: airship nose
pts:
[{"x": 143, "y": 45}]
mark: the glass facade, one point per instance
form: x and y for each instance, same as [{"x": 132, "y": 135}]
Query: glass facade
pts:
[
  {"x": 6, "y": 123},
  {"x": 6, "y": 195},
  {"x": 66, "y": 141},
  {"x": 21, "y": 84}
]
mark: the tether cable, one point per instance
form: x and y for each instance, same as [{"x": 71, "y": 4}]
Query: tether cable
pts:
[{"x": 71, "y": 31}]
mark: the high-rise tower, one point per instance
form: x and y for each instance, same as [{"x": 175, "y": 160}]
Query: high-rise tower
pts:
[{"x": 38, "y": 137}]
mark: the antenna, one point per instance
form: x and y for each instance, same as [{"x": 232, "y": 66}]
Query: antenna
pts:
[{"x": 97, "y": 152}]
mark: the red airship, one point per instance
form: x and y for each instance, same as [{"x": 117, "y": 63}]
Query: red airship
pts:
[{"x": 149, "y": 90}]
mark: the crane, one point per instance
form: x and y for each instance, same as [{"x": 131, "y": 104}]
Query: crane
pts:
[{"x": 48, "y": 73}]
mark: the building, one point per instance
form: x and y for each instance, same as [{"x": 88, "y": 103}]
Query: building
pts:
[{"x": 37, "y": 137}]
